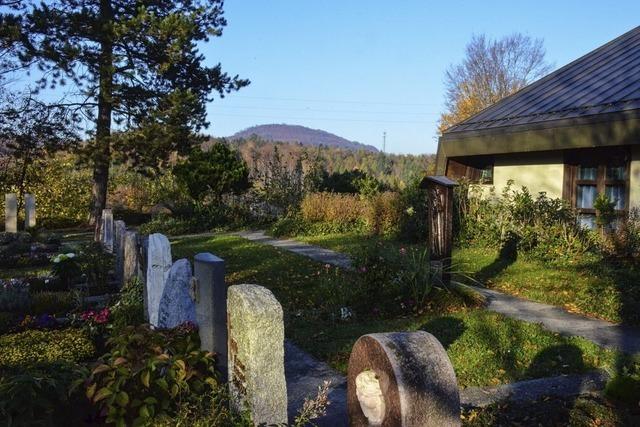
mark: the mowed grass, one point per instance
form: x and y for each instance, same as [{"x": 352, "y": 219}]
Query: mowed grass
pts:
[
  {"x": 485, "y": 348},
  {"x": 589, "y": 285}
]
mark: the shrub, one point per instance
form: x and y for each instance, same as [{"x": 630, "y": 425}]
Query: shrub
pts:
[
  {"x": 44, "y": 346},
  {"x": 129, "y": 309},
  {"x": 58, "y": 303},
  {"x": 95, "y": 263},
  {"x": 332, "y": 207},
  {"x": 8, "y": 322},
  {"x": 413, "y": 213},
  {"x": 38, "y": 395},
  {"x": 544, "y": 228},
  {"x": 147, "y": 373},
  {"x": 14, "y": 295},
  {"x": 66, "y": 268},
  {"x": 383, "y": 212}
]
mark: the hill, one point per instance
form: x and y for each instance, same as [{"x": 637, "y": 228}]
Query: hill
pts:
[{"x": 300, "y": 134}]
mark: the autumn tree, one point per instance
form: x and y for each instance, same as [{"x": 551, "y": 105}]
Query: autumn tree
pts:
[
  {"x": 490, "y": 71},
  {"x": 133, "y": 66}
]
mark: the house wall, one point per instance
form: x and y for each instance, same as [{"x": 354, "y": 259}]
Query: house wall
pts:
[
  {"x": 634, "y": 178},
  {"x": 537, "y": 172}
]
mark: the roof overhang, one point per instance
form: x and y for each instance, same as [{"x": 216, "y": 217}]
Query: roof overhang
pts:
[{"x": 621, "y": 128}]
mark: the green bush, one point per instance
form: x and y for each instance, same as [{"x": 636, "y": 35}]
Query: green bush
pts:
[
  {"x": 14, "y": 295},
  {"x": 129, "y": 309},
  {"x": 148, "y": 372},
  {"x": 8, "y": 321},
  {"x": 38, "y": 395},
  {"x": 32, "y": 347},
  {"x": 544, "y": 228},
  {"x": 170, "y": 225},
  {"x": 95, "y": 263},
  {"x": 54, "y": 303}
]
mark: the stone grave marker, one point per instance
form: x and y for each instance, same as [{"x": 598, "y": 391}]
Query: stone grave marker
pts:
[
  {"x": 118, "y": 248},
  {"x": 176, "y": 304},
  {"x": 10, "y": 213},
  {"x": 130, "y": 261},
  {"x": 210, "y": 296},
  {"x": 29, "y": 211},
  {"x": 401, "y": 379},
  {"x": 107, "y": 230},
  {"x": 256, "y": 354},
  {"x": 158, "y": 266},
  {"x": 143, "y": 260}
]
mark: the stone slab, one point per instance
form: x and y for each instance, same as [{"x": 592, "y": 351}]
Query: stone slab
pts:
[
  {"x": 176, "y": 304},
  {"x": 29, "y": 211},
  {"x": 256, "y": 354},
  {"x": 130, "y": 262},
  {"x": 158, "y": 267},
  {"x": 118, "y": 248},
  {"x": 211, "y": 307},
  {"x": 107, "y": 230},
  {"x": 10, "y": 213}
]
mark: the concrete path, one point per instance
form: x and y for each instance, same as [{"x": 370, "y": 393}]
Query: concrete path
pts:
[
  {"x": 603, "y": 333},
  {"x": 304, "y": 374},
  {"x": 316, "y": 253}
]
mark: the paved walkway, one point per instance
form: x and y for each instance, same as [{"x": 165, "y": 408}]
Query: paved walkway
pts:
[
  {"x": 304, "y": 374},
  {"x": 603, "y": 333},
  {"x": 316, "y": 253}
]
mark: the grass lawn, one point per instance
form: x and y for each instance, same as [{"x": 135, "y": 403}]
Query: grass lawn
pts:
[
  {"x": 590, "y": 285},
  {"x": 485, "y": 348}
]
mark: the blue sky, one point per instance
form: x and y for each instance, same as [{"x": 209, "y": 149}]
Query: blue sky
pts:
[{"x": 360, "y": 68}]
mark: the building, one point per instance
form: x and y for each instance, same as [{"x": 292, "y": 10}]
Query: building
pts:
[{"x": 572, "y": 134}]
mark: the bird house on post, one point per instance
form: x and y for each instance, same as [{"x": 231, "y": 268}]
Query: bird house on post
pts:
[{"x": 440, "y": 222}]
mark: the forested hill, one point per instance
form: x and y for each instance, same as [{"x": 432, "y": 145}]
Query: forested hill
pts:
[
  {"x": 393, "y": 169},
  {"x": 299, "y": 134}
]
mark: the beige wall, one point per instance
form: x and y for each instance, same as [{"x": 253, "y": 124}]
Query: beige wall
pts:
[
  {"x": 537, "y": 172},
  {"x": 634, "y": 178}
]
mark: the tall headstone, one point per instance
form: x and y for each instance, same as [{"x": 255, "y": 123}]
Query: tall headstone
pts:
[
  {"x": 120, "y": 229},
  {"x": 10, "y": 213},
  {"x": 211, "y": 306},
  {"x": 256, "y": 354},
  {"x": 176, "y": 304},
  {"x": 107, "y": 230},
  {"x": 29, "y": 211},
  {"x": 401, "y": 379},
  {"x": 130, "y": 263},
  {"x": 158, "y": 267},
  {"x": 143, "y": 259}
]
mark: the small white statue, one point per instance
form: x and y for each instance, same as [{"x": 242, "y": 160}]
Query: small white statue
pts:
[{"x": 370, "y": 397}]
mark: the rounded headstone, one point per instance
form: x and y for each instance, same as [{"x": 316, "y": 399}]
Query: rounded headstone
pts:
[
  {"x": 176, "y": 304},
  {"x": 401, "y": 379}
]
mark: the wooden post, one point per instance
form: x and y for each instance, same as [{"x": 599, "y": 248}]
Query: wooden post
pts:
[{"x": 440, "y": 222}]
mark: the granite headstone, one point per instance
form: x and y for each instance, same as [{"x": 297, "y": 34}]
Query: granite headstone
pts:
[
  {"x": 158, "y": 266},
  {"x": 29, "y": 211},
  {"x": 177, "y": 305},
  {"x": 118, "y": 248}
]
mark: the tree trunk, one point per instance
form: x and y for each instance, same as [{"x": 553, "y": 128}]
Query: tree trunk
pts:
[{"x": 102, "y": 149}]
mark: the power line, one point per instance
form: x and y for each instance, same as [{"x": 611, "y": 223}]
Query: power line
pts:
[
  {"x": 337, "y": 101},
  {"x": 247, "y": 107},
  {"x": 324, "y": 118}
]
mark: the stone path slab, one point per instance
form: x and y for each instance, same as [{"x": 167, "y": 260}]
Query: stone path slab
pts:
[
  {"x": 304, "y": 374},
  {"x": 316, "y": 253},
  {"x": 603, "y": 333}
]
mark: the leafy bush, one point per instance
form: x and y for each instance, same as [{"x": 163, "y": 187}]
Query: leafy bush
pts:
[
  {"x": 413, "y": 213},
  {"x": 170, "y": 225},
  {"x": 545, "y": 228},
  {"x": 38, "y": 395},
  {"x": 44, "y": 346},
  {"x": 66, "y": 268},
  {"x": 625, "y": 242},
  {"x": 147, "y": 373},
  {"x": 95, "y": 263},
  {"x": 59, "y": 303},
  {"x": 14, "y": 295},
  {"x": 382, "y": 214},
  {"x": 129, "y": 309}
]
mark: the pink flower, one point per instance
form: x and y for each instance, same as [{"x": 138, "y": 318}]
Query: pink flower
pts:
[
  {"x": 363, "y": 269},
  {"x": 403, "y": 251}
]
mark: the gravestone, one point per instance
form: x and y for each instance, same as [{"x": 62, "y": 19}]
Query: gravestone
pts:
[
  {"x": 401, "y": 379},
  {"x": 130, "y": 262},
  {"x": 118, "y": 247},
  {"x": 107, "y": 230},
  {"x": 158, "y": 266},
  {"x": 143, "y": 260},
  {"x": 10, "y": 213},
  {"x": 256, "y": 354},
  {"x": 176, "y": 304},
  {"x": 211, "y": 306},
  {"x": 29, "y": 211}
]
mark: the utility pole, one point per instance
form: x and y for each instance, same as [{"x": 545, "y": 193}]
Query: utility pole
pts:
[{"x": 384, "y": 142}]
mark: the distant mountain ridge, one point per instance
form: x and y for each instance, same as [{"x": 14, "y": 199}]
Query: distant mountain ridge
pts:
[{"x": 302, "y": 135}]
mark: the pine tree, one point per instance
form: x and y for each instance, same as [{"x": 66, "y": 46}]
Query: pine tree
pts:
[{"x": 135, "y": 67}]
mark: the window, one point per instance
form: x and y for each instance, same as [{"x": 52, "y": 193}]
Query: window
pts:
[{"x": 588, "y": 177}]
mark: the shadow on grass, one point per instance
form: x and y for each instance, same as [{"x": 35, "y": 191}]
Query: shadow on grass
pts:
[
  {"x": 508, "y": 255},
  {"x": 561, "y": 359},
  {"x": 446, "y": 329}
]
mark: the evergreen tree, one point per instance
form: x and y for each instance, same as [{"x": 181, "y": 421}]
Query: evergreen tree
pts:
[{"x": 135, "y": 66}]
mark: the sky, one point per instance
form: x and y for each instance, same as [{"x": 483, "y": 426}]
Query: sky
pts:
[{"x": 361, "y": 68}]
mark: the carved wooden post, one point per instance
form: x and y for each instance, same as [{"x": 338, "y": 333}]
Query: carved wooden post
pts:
[{"x": 440, "y": 222}]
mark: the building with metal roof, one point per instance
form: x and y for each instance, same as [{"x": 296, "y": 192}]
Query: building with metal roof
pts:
[{"x": 573, "y": 134}]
